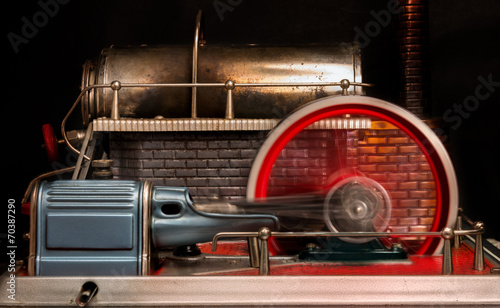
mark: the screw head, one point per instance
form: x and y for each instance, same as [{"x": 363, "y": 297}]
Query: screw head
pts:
[
  {"x": 344, "y": 83},
  {"x": 264, "y": 233},
  {"x": 116, "y": 85},
  {"x": 447, "y": 233},
  {"x": 230, "y": 84}
]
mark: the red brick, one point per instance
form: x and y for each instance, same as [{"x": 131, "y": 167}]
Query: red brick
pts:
[
  {"x": 397, "y": 159},
  {"x": 387, "y": 168},
  {"x": 399, "y": 194},
  {"x": 409, "y": 149},
  {"x": 408, "y": 185},
  {"x": 317, "y": 171},
  {"x": 427, "y": 185},
  {"x": 295, "y": 153},
  {"x": 425, "y": 167},
  {"x": 397, "y": 140},
  {"x": 419, "y": 176},
  {"x": 399, "y": 176},
  {"x": 377, "y": 176},
  {"x": 387, "y": 150},
  {"x": 418, "y": 212},
  {"x": 408, "y": 203},
  {"x": 319, "y": 153},
  {"x": 420, "y": 194},
  {"x": 425, "y": 220},
  {"x": 408, "y": 167},
  {"x": 368, "y": 168},
  {"x": 389, "y": 185},
  {"x": 419, "y": 228},
  {"x": 376, "y": 159},
  {"x": 376, "y": 140},
  {"x": 284, "y": 162},
  {"x": 296, "y": 172},
  {"x": 399, "y": 212},
  {"x": 367, "y": 150},
  {"x": 428, "y": 203},
  {"x": 412, "y": 221},
  {"x": 417, "y": 158}
]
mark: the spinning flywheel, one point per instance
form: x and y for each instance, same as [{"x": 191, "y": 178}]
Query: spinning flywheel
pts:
[{"x": 378, "y": 166}]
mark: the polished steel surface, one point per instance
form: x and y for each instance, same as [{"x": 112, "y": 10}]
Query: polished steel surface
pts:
[
  {"x": 243, "y": 64},
  {"x": 119, "y": 291}
]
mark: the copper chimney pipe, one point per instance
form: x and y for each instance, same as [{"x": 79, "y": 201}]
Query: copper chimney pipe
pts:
[{"x": 412, "y": 40}]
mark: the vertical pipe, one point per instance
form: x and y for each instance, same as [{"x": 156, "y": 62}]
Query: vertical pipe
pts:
[
  {"x": 264, "y": 235},
  {"x": 478, "y": 249},
  {"x": 412, "y": 40},
  {"x": 447, "y": 235},
  {"x": 253, "y": 251}
]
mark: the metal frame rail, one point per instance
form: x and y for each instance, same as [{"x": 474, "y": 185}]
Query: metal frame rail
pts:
[{"x": 259, "y": 249}]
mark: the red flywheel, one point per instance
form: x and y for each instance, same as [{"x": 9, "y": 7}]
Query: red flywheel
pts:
[{"x": 383, "y": 163}]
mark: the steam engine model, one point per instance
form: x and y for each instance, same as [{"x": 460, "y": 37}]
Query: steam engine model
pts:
[{"x": 343, "y": 184}]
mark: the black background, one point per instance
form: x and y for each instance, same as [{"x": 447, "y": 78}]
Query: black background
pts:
[{"x": 42, "y": 80}]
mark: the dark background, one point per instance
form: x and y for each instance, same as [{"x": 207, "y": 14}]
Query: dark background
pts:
[{"x": 42, "y": 80}]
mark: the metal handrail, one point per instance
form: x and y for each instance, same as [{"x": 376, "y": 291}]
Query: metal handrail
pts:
[
  {"x": 229, "y": 85},
  {"x": 447, "y": 234}
]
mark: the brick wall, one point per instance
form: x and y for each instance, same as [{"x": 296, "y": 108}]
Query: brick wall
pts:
[
  {"x": 218, "y": 164},
  {"x": 387, "y": 155},
  {"x": 209, "y": 163}
]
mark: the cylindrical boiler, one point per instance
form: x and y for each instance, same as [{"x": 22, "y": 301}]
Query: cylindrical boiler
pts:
[{"x": 217, "y": 64}]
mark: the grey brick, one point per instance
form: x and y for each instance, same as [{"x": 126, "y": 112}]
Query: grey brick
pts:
[
  {"x": 175, "y": 145},
  {"x": 143, "y": 154},
  {"x": 245, "y": 172},
  {"x": 238, "y": 181},
  {"x": 248, "y": 153},
  {"x": 218, "y": 182},
  {"x": 196, "y": 145},
  {"x": 208, "y": 191},
  {"x": 152, "y": 145},
  {"x": 128, "y": 154},
  {"x": 163, "y": 173},
  {"x": 185, "y": 154},
  {"x": 229, "y": 153},
  {"x": 218, "y": 144},
  {"x": 229, "y": 172},
  {"x": 175, "y": 182},
  {"x": 197, "y": 182},
  {"x": 127, "y": 172},
  {"x": 208, "y": 172},
  {"x": 218, "y": 164},
  {"x": 175, "y": 164},
  {"x": 163, "y": 154},
  {"x": 153, "y": 164},
  {"x": 239, "y": 144},
  {"x": 241, "y": 163},
  {"x": 135, "y": 163},
  {"x": 208, "y": 154},
  {"x": 196, "y": 164},
  {"x": 143, "y": 173},
  {"x": 230, "y": 191},
  {"x": 185, "y": 172}
]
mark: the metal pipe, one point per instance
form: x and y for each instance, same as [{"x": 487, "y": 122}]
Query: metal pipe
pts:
[
  {"x": 196, "y": 44},
  {"x": 264, "y": 235},
  {"x": 253, "y": 251},
  {"x": 478, "y": 250},
  {"x": 447, "y": 235}
]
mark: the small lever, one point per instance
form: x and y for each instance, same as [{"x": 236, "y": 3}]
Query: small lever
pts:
[{"x": 86, "y": 294}]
